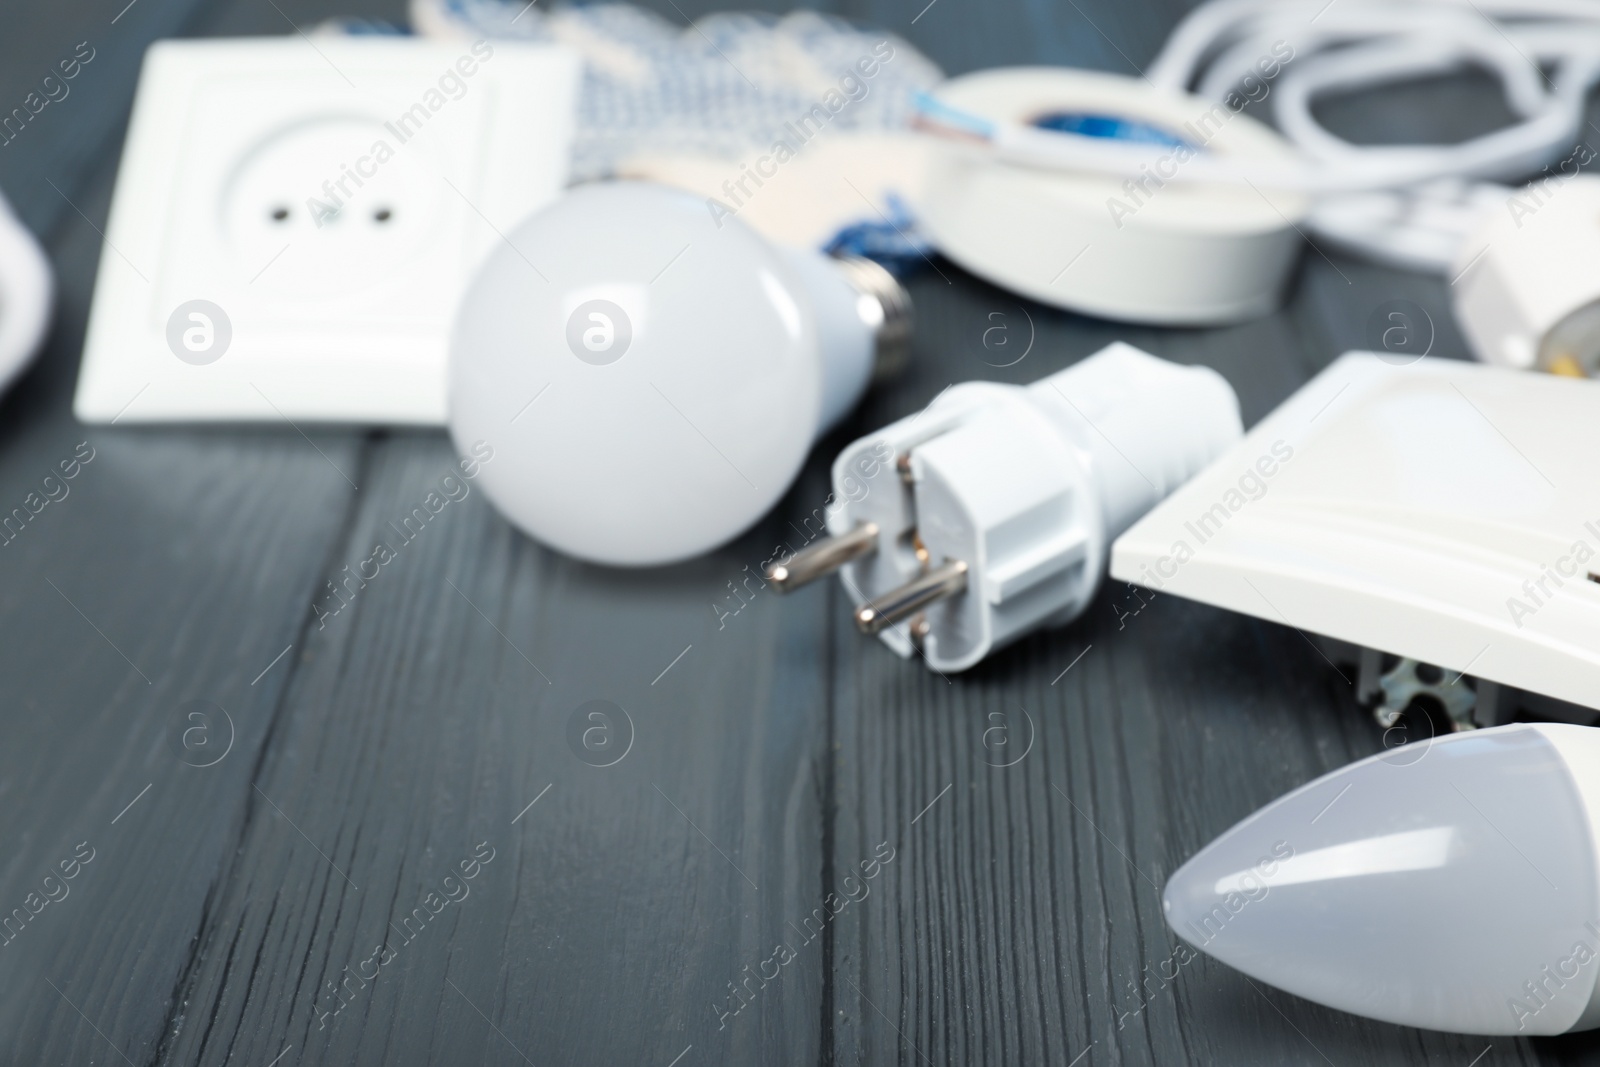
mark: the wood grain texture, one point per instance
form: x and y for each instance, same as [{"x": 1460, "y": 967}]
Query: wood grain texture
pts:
[
  {"x": 1022, "y": 921},
  {"x": 428, "y": 714},
  {"x": 172, "y": 570},
  {"x": 774, "y": 759}
]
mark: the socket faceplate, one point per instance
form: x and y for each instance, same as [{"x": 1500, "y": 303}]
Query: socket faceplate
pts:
[
  {"x": 1438, "y": 510},
  {"x": 292, "y": 225}
]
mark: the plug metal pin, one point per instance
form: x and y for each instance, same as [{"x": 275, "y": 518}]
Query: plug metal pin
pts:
[
  {"x": 824, "y": 557},
  {"x": 904, "y": 602}
]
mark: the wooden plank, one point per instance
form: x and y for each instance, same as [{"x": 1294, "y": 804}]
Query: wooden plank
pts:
[
  {"x": 774, "y": 751},
  {"x": 617, "y": 910},
  {"x": 169, "y": 568},
  {"x": 75, "y": 125},
  {"x": 172, "y": 570}
]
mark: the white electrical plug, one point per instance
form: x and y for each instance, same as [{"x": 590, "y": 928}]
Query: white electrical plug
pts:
[
  {"x": 990, "y": 513},
  {"x": 1527, "y": 289}
]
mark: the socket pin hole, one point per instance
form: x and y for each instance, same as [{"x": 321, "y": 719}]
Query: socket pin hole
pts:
[
  {"x": 280, "y": 213},
  {"x": 1428, "y": 674},
  {"x": 383, "y": 214}
]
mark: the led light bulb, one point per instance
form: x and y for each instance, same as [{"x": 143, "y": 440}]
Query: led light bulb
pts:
[
  {"x": 26, "y": 294},
  {"x": 990, "y": 514},
  {"x": 1449, "y": 884},
  {"x": 652, "y": 374}
]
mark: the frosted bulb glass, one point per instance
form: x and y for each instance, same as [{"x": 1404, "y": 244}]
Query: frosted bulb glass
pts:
[
  {"x": 26, "y": 292},
  {"x": 649, "y": 377},
  {"x": 1450, "y": 885}
]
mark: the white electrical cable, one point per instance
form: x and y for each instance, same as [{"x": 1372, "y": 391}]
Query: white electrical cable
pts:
[
  {"x": 1546, "y": 54},
  {"x": 1409, "y": 205},
  {"x": 26, "y": 293}
]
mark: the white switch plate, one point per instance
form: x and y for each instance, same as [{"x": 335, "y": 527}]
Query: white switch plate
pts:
[
  {"x": 236, "y": 151},
  {"x": 1443, "y": 511}
]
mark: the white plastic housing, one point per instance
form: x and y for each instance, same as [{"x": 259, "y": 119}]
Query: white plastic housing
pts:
[
  {"x": 338, "y": 318},
  {"x": 26, "y": 295},
  {"x": 1451, "y": 884},
  {"x": 1178, "y": 253},
  {"x": 1528, "y": 279},
  {"x": 736, "y": 356},
  {"x": 1443, "y": 510},
  {"x": 1027, "y": 485}
]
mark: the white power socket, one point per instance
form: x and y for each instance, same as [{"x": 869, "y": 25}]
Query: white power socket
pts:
[{"x": 293, "y": 222}]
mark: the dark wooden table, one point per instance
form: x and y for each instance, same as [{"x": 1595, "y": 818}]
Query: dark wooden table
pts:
[{"x": 1014, "y": 915}]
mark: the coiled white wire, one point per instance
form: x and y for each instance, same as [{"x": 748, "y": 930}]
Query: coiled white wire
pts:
[{"x": 1546, "y": 54}]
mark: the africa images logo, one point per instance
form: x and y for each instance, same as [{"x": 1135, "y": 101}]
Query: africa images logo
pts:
[{"x": 599, "y": 332}]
